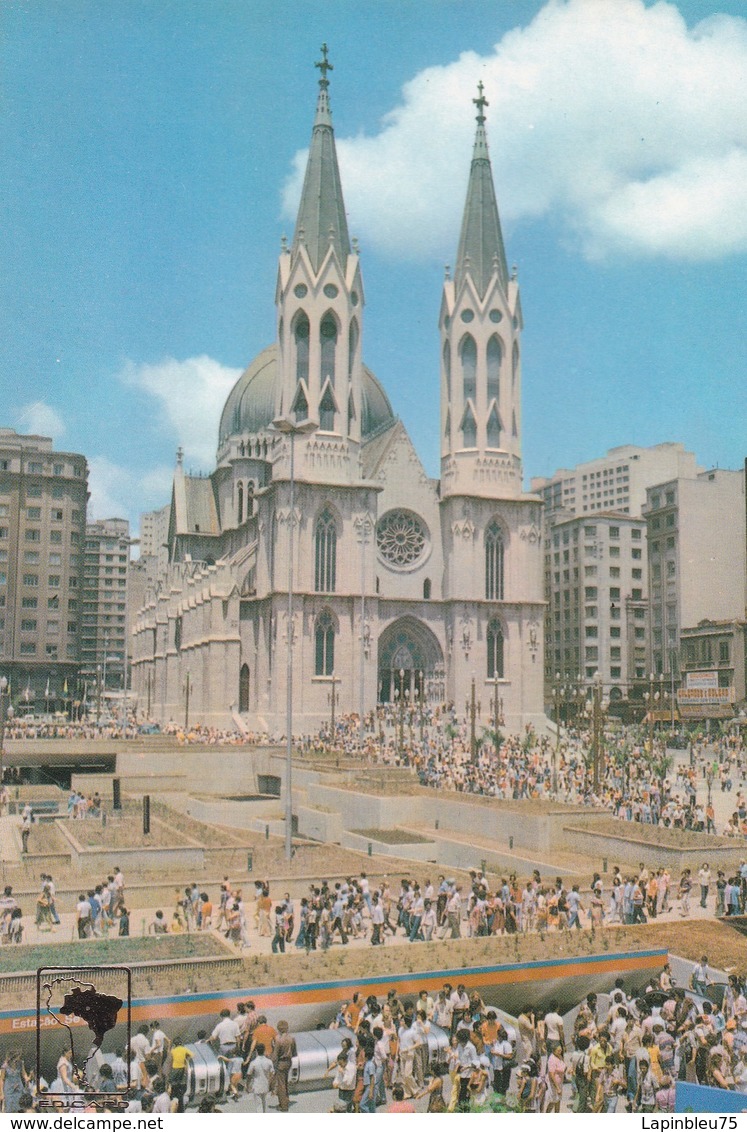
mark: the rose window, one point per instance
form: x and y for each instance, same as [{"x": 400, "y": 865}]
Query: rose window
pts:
[{"x": 401, "y": 538}]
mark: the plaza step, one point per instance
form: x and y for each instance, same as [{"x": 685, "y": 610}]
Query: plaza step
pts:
[
  {"x": 10, "y": 840},
  {"x": 501, "y": 858}
]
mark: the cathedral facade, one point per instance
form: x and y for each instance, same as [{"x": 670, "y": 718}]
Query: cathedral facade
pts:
[{"x": 319, "y": 550}]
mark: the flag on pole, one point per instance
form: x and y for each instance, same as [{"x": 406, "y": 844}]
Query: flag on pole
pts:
[{"x": 46, "y": 693}]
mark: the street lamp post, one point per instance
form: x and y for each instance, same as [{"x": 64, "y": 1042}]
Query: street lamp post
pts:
[
  {"x": 651, "y": 697},
  {"x": 149, "y": 685},
  {"x": 129, "y": 542},
  {"x": 291, "y": 429},
  {"x": 472, "y": 711},
  {"x": 6, "y": 713},
  {"x": 597, "y": 729},
  {"x": 557, "y": 695},
  {"x": 332, "y": 698},
  {"x": 364, "y": 526},
  {"x": 422, "y": 720},
  {"x": 401, "y": 712},
  {"x": 187, "y": 684},
  {"x": 496, "y": 706},
  {"x": 709, "y": 783},
  {"x": 98, "y": 694}
]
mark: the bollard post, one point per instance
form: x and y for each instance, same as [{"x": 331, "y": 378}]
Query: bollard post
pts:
[
  {"x": 483, "y": 866},
  {"x": 604, "y": 864},
  {"x": 146, "y": 813},
  {"x": 249, "y": 862},
  {"x": 510, "y": 842},
  {"x": 370, "y": 849},
  {"x": 267, "y": 833},
  {"x": 437, "y": 823}
]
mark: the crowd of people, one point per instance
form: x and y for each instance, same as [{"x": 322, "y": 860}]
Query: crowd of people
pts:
[
  {"x": 619, "y": 1052},
  {"x": 356, "y": 908}
]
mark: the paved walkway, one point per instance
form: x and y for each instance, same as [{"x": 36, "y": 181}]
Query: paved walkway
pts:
[
  {"x": 262, "y": 945},
  {"x": 10, "y": 840}
]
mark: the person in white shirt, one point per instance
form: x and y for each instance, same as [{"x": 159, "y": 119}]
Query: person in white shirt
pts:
[
  {"x": 83, "y": 917},
  {"x": 443, "y": 1011},
  {"x": 163, "y": 1101},
  {"x": 554, "y": 1027},
  {"x": 226, "y": 1032},
  {"x": 459, "y": 1006},
  {"x": 377, "y": 920},
  {"x": 408, "y": 1041},
  {"x": 140, "y": 1044},
  {"x": 159, "y": 1044}
]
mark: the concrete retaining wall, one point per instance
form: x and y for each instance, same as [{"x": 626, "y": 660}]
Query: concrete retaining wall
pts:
[
  {"x": 320, "y": 825},
  {"x": 631, "y": 851},
  {"x": 132, "y": 861},
  {"x": 408, "y": 851}
]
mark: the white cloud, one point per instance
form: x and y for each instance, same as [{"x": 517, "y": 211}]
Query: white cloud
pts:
[
  {"x": 118, "y": 493},
  {"x": 112, "y": 488},
  {"x": 190, "y": 395},
  {"x": 41, "y": 419},
  {"x": 614, "y": 119}
]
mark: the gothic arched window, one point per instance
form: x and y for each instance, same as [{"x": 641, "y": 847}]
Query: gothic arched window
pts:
[
  {"x": 327, "y": 408},
  {"x": 325, "y": 553},
  {"x": 328, "y": 342},
  {"x": 469, "y": 428},
  {"x": 301, "y": 338},
  {"x": 468, "y": 356},
  {"x": 241, "y": 503},
  {"x": 447, "y": 369},
  {"x": 494, "y": 562},
  {"x": 494, "y": 428},
  {"x": 324, "y": 644},
  {"x": 514, "y": 362},
  {"x": 352, "y": 347},
  {"x": 495, "y": 650},
  {"x": 494, "y": 357}
]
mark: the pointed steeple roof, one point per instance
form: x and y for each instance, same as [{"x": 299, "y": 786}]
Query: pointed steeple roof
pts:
[
  {"x": 481, "y": 251},
  {"x": 321, "y": 213}
]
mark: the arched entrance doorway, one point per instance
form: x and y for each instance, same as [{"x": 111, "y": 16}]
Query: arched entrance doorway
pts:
[
  {"x": 244, "y": 688},
  {"x": 410, "y": 658}
]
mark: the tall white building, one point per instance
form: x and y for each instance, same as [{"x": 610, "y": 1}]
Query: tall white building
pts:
[
  {"x": 403, "y": 585},
  {"x": 43, "y": 499},
  {"x": 616, "y": 481},
  {"x": 696, "y": 557},
  {"x": 105, "y": 584},
  {"x": 596, "y": 579}
]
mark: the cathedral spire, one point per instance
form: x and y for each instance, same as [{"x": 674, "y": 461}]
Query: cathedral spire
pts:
[
  {"x": 321, "y": 214},
  {"x": 481, "y": 251}
]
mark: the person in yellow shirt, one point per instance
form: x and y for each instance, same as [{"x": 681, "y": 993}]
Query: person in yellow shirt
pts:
[
  {"x": 178, "y": 1073},
  {"x": 598, "y": 1053}
]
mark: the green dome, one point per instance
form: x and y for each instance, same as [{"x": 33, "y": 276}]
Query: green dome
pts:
[{"x": 250, "y": 406}]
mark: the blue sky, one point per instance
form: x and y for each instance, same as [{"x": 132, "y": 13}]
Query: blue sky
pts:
[{"x": 151, "y": 157}]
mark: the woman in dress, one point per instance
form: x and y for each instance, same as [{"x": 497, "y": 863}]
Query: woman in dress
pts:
[
  {"x": 65, "y": 1080},
  {"x": 14, "y": 1082},
  {"x": 259, "y": 1075},
  {"x": 555, "y": 1079},
  {"x": 596, "y": 907}
]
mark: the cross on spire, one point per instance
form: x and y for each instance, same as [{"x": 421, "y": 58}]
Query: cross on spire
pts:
[
  {"x": 324, "y": 65},
  {"x": 480, "y": 102}
]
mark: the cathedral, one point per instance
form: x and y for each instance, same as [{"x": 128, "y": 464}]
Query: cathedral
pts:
[{"x": 319, "y": 553}]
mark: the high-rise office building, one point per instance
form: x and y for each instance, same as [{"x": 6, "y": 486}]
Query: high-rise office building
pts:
[{"x": 43, "y": 498}]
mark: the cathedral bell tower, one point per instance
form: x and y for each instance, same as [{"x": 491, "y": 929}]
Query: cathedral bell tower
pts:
[
  {"x": 480, "y": 325},
  {"x": 319, "y": 299}
]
